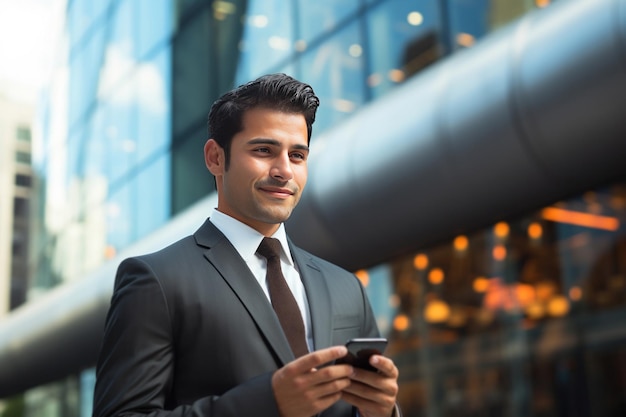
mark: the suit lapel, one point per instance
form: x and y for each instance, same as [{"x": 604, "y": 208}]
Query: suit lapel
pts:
[
  {"x": 317, "y": 295},
  {"x": 226, "y": 260}
]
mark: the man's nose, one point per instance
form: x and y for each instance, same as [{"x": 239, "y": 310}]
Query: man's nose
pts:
[{"x": 281, "y": 168}]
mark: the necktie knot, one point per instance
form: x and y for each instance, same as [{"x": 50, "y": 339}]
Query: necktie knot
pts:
[{"x": 269, "y": 248}]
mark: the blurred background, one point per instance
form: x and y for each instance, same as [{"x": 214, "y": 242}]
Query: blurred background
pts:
[{"x": 468, "y": 164}]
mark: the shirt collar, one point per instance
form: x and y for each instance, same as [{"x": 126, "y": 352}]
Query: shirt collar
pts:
[{"x": 245, "y": 239}]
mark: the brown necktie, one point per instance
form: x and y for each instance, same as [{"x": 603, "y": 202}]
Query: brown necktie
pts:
[{"x": 284, "y": 303}]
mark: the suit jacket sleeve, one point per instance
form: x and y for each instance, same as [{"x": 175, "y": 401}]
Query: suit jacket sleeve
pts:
[{"x": 136, "y": 366}]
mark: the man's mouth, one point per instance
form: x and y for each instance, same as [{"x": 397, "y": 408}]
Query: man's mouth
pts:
[{"x": 279, "y": 192}]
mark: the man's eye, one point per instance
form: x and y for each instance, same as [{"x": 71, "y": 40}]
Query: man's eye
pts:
[
  {"x": 263, "y": 150},
  {"x": 298, "y": 155}
]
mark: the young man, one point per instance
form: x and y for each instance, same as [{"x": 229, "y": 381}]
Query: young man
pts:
[{"x": 191, "y": 330}]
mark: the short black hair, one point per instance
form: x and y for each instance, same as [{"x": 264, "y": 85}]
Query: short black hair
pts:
[{"x": 273, "y": 91}]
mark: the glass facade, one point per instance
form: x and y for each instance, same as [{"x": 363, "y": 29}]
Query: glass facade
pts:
[
  {"x": 518, "y": 319},
  {"x": 127, "y": 109},
  {"x": 126, "y": 114},
  {"x": 523, "y": 318},
  {"x": 106, "y": 137}
]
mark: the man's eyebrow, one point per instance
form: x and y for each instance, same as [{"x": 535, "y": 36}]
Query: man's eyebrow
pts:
[
  {"x": 274, "y": 142},
  {"x": 263, "y": 141}
]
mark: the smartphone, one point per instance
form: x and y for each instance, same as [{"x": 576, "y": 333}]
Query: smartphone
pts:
[{"x": 360, "y": 350}]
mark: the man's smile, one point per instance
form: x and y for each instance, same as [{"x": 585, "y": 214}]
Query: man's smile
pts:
[{"x": 279, "y": 192}]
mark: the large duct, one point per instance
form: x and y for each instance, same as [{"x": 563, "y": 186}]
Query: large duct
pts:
[
  {"x": 532, "y": 114},
  {"x": 535, "y": 113}
]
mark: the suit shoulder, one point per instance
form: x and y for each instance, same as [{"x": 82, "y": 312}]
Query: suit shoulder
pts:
[
  {"x": 166, "y": 258},
  {"x": 324, "y": 264}
]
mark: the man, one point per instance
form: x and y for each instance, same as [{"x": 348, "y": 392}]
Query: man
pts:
[{"x": 191, "y": 330}]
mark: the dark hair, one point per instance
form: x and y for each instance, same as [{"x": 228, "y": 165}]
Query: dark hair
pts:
[{"x": 274, "y": 91}]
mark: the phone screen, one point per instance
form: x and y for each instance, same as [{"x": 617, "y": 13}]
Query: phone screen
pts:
[{"x": 360, "y": 350}]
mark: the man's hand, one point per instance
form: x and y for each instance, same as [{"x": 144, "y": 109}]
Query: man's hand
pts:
[
  {"x": 304, "y": 388},
  {"x": 374, "y": 393}
]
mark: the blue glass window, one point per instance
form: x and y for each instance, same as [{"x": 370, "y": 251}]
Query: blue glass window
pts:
[
  {"x": 84, "y": 75},
  {"x": 317, "y": 17},
  {"x": 335, "y": 70},
  {"x": 152, "y": 196},
  {"x": 470, "y": 20},
  {"x": 153, "y": 84},
  {"x": 268, "y": 38},
  {"x": 81, "y": 16},
  {"x": 154, "y": 24},
  {"x": 119, "y": 224},
  {"x": 95, "y": 149},
  {"x": 402, "y": 40},
  {"x": 121, "y": 131}
]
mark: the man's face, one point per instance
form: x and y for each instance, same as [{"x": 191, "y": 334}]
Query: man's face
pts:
[{"x": 267, "y": 171}]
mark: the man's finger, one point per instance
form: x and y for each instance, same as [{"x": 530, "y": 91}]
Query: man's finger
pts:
[
  {"x": 317, "y": 359},
  {"x": 384, "y": 366}
]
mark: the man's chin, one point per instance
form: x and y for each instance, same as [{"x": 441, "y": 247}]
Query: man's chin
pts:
[{"x": 277, "y": 216}]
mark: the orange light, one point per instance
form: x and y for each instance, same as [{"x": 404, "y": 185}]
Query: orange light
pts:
[
  {"x": 496, "y": 295},
  {"x": 465, "y": 39},
  {"x": 558, "y": 306},
  {"x": 420, "y": 261},
  {"x": 436, "y": 311},
  {"x": 499, "y": 252},
  {"x": 542, "y": 3},
  {"x": 363, "y": 276},
  {"x": 535, "y": 231},
  {"x": 501, "y": 229},
  {"x": 575, "y": 293},
  {"x": 109, "y": 252},
  {"x": 461, "y": 243},
  {"x": 578, "y": 218},
  {"x": 435, "y": 276},
  {"x": 401, "y": 322},
  {"x": 396, "y": 75},
  {"x": 525, "y": 294},
  {"x": 481, "y": 284},
  {"x": 535, "y": 310}
]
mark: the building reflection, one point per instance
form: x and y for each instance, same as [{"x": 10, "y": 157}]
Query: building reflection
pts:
[{"x": 521, "y": 318}]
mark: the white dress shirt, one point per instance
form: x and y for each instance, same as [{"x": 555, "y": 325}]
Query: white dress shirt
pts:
[{"x": 246, "y": 241}]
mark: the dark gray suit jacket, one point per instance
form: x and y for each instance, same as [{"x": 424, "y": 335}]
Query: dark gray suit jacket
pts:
[{"x": 191, "y": 333}]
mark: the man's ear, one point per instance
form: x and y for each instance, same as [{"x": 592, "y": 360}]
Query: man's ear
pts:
[{"x": 214, "y": 157}]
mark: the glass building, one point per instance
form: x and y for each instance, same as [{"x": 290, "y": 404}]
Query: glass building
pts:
[{"x": 467, "y": 165}]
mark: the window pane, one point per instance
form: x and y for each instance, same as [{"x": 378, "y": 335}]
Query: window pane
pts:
[
  {"x": 154, "y": 23},
  {"x": 22, "y": 157},
  {"x": 152, "y": 196},
  {"x": 23, "y": 134},
  {"x": 335, "y": 70},
  {"x": 119, "y": 219},
  {"x": 153, "y": 82},
  {"x": 403, "y": 40},
  {"x": 87, "y": 81},
  {"x": 267, "y": 38},
  {"x": 470, "y": 20},
  {"x": 22, "y": 180},
  {"x": 317, "y": 17},
  {"x": 20, "y": 207}
]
